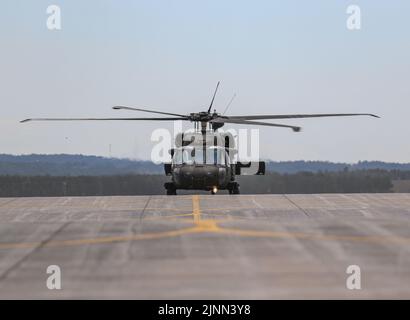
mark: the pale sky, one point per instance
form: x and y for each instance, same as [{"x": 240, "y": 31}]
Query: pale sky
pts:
[{"x": 277, "y": 56}]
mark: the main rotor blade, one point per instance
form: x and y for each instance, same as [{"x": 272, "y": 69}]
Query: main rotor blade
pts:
[
  {"x": 239, "y": 121},
  {"x": 213, "y": 98},
  {"x": 100, "y": 119},
  {"x": 294, "y": 116},
  {"x": 229, "y": 104},
  {"x": 146, "y": 110}
]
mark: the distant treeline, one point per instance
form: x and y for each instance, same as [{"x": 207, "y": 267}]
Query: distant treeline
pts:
[
  {"x": 360, "y": 181},
  {"x": 80, "y": 165},
  {"x": 73, "y": 165},
  {"x": 317, "y": 166},
  {"x": 303, "y": 182}
]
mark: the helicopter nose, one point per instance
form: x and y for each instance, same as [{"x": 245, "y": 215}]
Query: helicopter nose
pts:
[
  {"x": 200, "y": 175},
  {"x": 207, "y": 172}
]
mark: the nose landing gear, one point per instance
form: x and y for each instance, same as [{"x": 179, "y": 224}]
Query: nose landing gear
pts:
[
  {"x": 234, "y": 188},
  {"x": 171, "y": 190}
]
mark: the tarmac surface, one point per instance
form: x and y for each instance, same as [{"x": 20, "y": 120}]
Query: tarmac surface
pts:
[{"x": 206, "y": 247}]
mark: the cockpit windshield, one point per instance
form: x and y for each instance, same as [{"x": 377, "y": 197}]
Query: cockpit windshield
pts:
[{"x": 196, "y": 155}]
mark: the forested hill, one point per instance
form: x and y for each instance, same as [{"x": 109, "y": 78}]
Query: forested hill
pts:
[
  {"x": 78, "y": 165},
  {"x": 73, "y": 165},
  {"x": 316, "y": 166}
]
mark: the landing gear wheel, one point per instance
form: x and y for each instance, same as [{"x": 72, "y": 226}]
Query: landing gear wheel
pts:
[
  {"x": 234, "y": 189},
  {"x": 171, "y": 190}
]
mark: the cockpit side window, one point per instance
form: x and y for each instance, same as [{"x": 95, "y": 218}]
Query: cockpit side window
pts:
[
  {"x": 199, "y": 156},
  {"x": 177, "y": 158},
  {"x": 188, "y": 156},
  {"x": 211, "y": 156},
  {"x": 215, "y": 156}
]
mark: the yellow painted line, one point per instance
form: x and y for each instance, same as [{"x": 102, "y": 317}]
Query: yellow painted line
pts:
[
  {"x": 200, "y": 226},
  {"x": 63, "y": 243},
  {"x": 196, "y": 211},
  {"x": 207, "y": 226}
]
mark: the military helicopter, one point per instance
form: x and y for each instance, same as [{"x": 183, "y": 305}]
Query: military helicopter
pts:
[{"x": 204, "y": 159}]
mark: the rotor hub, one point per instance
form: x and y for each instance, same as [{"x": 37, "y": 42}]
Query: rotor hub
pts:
[{"x": 202, "y": 116}]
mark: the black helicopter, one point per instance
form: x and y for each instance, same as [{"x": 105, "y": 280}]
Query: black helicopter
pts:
[{"x": 204, "y": 159}]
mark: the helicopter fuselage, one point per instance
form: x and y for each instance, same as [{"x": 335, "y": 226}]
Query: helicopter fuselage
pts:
[
  {"x": 205, "y": 161},
  {"x": 202, "y": 177}
]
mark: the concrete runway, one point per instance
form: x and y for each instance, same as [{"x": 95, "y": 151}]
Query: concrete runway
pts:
[{"x": 207, "y": 247}]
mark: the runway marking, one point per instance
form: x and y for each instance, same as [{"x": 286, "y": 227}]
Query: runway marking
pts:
[
  {"x": 196, "y": 212},
  {"x": 62, "y": 243},
  {"x": 206, "y": 226}
]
